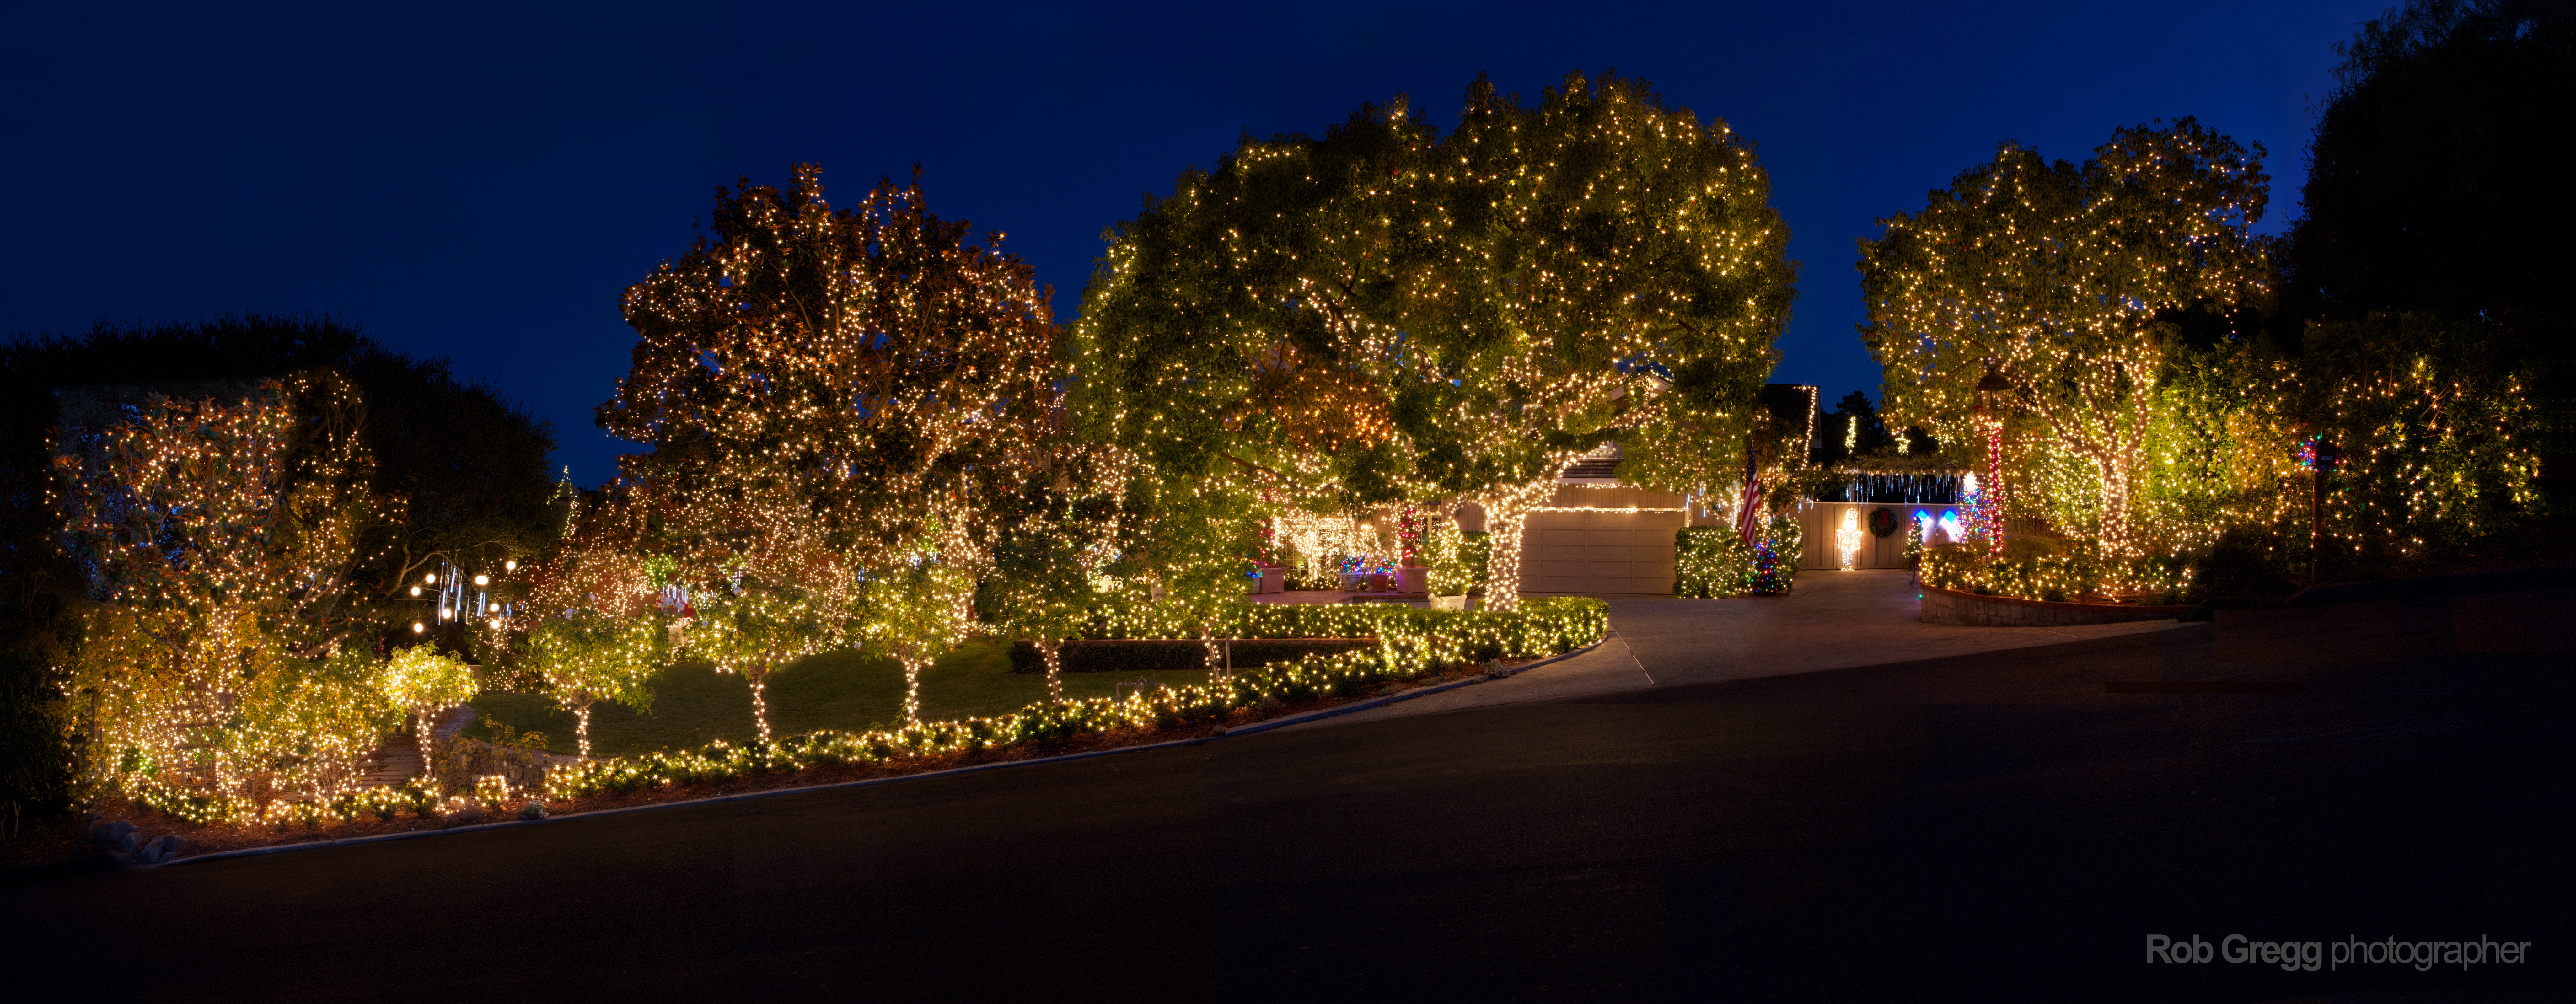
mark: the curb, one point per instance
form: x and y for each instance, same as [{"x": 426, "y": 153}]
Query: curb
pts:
[
  {"x": 1245, "y": 730},
  {"x": 2464, "y": 584},
  {"x": 1399, "y": 698}
]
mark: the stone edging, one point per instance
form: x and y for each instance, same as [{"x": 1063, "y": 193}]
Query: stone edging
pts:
[
  {"x": 1950, "y": 606},
  {"x": 1245, "y": 730}
]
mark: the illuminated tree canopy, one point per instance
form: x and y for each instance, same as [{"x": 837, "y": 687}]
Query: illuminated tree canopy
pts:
[
  {"x": 829, "y": 394},
  {"x": 1387, "y": 313},
  {"x": 2058, "y": 277}
]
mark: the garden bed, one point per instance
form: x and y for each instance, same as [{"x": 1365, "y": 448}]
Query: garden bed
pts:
[
  {"x": 1415, "y": 648},
  {"x": 65, "y": 841}
]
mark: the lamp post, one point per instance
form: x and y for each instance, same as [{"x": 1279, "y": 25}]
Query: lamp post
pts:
[
  {"x": 1994, "y": 398},
  {"x": 2319, "y": 456}
]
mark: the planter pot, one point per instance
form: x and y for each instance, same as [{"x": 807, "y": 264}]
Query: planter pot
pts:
[
  {"x": 1453, "y": 603},
  {"x": 1413, "y": 580}
]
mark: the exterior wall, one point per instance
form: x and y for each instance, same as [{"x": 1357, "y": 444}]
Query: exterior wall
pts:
[
  {"x": 1589, "y": 546},
  {"x": 1945, "y": 606},
  {"x": 1818, "y": 521}
]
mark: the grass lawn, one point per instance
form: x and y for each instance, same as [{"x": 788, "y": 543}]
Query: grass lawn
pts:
[{"x": 693, "y": 704}]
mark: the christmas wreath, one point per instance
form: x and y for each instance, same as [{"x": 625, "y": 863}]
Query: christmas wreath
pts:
[{"x": 1882, "y": 521}]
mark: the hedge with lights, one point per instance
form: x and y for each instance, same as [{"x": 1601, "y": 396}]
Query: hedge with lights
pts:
[
  {"x": 1412, "y": 643},
  {"x": 2435, "y": 427},
  {"x": 2076, "y": 573},
  {"x": 1714, "y": 561}
]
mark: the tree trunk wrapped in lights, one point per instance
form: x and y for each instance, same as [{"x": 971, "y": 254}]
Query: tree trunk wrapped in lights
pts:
[
  {"x": 2063, "y": 280},
  {"x": 909, "y": 614}
]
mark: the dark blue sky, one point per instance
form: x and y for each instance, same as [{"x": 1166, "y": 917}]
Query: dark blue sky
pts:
[{"x": 483, "y": 182}]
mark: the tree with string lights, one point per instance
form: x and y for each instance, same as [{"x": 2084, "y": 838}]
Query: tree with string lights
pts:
[
  {"x": 1225, "y": 341},
  {"x": 1386, "y": 313},
  {"x": 2053, "y": 286},
  {"x": 1057, "y": 538},
  {"x": 217, "y": 535},
  {"x": 829, "y": 393},
  {"x": 586, "y": 658},
  {"x": 423, "y": 683},
  {"x": 1620, "y": 273},
  {"x": 773, "y": 613}
]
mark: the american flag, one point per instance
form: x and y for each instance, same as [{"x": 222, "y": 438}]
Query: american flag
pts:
[{"x": 1746, "y": 525}]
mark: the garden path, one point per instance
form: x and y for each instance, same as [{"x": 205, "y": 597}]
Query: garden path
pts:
[
  {"x": 398, "y": 760},
  {"x": 1834, "y": 620}
]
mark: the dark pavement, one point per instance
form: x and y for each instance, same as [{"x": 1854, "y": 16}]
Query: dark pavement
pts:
[{"x": 1987, "y": 827}]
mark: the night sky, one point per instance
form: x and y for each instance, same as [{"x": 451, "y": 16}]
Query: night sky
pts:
[{"x": 483, "y": 182}]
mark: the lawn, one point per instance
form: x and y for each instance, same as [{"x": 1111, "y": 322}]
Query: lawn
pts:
[{"x": 693, "y": 704}]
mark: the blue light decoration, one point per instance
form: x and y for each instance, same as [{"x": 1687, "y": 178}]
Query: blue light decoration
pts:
[
  {"x": 2316, "y": 454},
  {"x": 1907, "y": 488},
  {"x": 1949, "y": 524}
]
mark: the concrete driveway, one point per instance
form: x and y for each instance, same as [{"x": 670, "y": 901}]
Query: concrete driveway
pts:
[{"x": 1833, "y": 620}]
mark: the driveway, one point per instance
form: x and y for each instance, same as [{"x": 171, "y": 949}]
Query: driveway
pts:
[{"x": 1833, "y": 620}]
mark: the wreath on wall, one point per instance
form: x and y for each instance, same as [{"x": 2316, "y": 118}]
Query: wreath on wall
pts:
[{"x": 1882, "y": 521}]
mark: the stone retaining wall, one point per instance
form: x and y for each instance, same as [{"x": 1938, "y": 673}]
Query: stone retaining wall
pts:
[{"x": 1949, "y": 606}]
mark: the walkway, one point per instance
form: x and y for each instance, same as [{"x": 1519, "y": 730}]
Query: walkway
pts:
[
  {"x": 398, "y": 759},
  {"x": 1834, "y": 620}
]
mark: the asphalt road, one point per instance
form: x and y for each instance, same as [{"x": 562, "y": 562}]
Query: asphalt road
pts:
[{"x": 1992, "y": 827}]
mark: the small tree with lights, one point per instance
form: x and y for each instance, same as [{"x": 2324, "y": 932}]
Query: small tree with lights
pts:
[
  {"x": 1057, "y": 539},
  {"x": 424, "y": 683},
  {"x": 585, "y": 658}
]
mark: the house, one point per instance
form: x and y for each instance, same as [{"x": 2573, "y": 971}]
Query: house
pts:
[{"x": 1598, "y": 536}]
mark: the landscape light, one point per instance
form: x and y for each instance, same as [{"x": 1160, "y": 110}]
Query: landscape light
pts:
[{"x": 482, "y": 580}]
